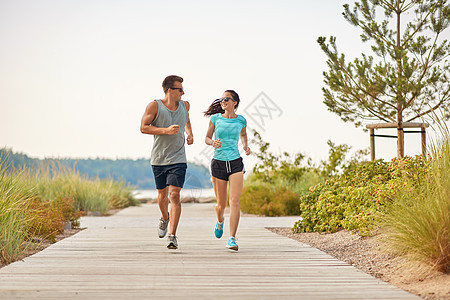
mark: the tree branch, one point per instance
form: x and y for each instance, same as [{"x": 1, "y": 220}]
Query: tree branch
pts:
[
  {"x": 425, "y": 69},
  {"x": 374, "y": 113},
  {"x": 415, "y": 31},
  {"x": 344, "y": 69},
  {"x": 444, "y": 99}
]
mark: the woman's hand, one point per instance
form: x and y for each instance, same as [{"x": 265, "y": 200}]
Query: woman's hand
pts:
[
  {"x": 217, "y": 143},
  {"x": 247, "y": 150}
]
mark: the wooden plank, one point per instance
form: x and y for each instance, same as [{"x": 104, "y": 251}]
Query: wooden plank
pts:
[{"x": 395, "y": 125}]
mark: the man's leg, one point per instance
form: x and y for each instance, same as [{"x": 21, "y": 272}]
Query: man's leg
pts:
[
  {"x": 163, "y": 202},
  {"x": 160, "y": 173},
  {"x": 175, "y": 179},
  {"x": 175, "y": 208}
]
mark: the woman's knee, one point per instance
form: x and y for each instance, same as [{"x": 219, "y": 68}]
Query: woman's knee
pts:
[
  {"x": 234, "y": 200},
  {"x": 219, "y": 206}
]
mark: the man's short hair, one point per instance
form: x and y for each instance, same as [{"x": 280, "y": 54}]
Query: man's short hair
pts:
[{"x": 169, "y": 81}]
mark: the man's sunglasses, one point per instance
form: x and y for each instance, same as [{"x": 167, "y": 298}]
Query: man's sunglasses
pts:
[
  {"x": 226, "y": 99},
  {"x": 180, "y": 89}
]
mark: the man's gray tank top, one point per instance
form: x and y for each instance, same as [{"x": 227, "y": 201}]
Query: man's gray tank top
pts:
[{"x": 169, "y": 149}]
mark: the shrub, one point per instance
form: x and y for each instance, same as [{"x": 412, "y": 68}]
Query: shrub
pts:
[
  {"x": 264, "y": 200},
  {"x": 356, "y": 199},
  {"x": 46, "y": 220}
]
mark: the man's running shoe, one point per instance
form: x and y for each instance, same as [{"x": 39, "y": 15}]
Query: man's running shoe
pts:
[
  {"x": 218, "y": 231},
  {"x": 172, "y": 242},
  {"x": 232, "y": 244},
  {"x": 162, "y": 227}
]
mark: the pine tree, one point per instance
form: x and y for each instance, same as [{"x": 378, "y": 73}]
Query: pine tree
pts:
[{"x": 409, "y": 76}]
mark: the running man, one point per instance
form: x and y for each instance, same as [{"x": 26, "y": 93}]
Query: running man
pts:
[{"x": 167, "y": 120}]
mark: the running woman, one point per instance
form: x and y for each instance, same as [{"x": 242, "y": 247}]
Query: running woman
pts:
[{"x": 227, "y": 167}]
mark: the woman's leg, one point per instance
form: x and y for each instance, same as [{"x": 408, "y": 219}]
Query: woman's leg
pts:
[
  {"x": 236, "y": 185},
  {"x": 220, "y": 189}
]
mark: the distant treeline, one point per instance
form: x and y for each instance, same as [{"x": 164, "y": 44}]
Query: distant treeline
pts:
[{"x": 137, "y": 173}]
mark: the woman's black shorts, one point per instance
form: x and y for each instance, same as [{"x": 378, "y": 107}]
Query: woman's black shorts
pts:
[{"x": 223, "y": 169}]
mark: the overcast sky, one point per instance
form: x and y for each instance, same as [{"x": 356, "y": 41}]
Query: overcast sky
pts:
[{"x": 76, "y": 76}]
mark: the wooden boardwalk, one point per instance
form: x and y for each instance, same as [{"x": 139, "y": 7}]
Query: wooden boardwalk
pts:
[{"x": 121, "y": 257}]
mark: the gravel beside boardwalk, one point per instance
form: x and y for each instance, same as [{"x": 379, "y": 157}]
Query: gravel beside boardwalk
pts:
[{"x": 121, "y": 257}]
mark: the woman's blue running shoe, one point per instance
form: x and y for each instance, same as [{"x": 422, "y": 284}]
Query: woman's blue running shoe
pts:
[
  {"x": 232, "y": 244},
  {"x": 218, "y": 231}
]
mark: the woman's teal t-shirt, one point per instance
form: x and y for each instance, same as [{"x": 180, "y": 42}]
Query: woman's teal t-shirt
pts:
[{"x": 228, "y": 131}]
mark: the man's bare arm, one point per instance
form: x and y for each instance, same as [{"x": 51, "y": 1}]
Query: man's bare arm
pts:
[
  {"x": 149, "y": 115},
  {"x": 188, "y": 127}
]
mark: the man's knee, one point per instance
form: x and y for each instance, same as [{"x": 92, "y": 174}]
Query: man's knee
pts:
[
  {"x": 163, "y": 193},
  {"x": 174, "y": 196}
]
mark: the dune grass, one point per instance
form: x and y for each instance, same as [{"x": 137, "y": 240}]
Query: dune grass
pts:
[
  {"x": 418, "y": 224},
  {"x": 39, "y": 202},
  {"x": 89, "y": 194},
  {"x": 14, "y": 217}
]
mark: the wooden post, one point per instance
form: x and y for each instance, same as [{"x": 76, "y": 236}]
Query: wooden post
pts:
[
  {"x": 372, "y": 144},
  {"x": 400, "y": 141},
  {"x": 424, "y": 140}
]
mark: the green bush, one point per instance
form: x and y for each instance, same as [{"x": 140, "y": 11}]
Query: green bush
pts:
[
  {"x": 356, "y": 199},
  {"x": 274, "y": 174},
  {"x": 274, "y": 187},
  {"x": 264, "y": 200}
]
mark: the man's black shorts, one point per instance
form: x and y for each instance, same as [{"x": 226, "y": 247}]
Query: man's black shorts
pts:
[
  {"x": 223, "y": 169},
  {"x": 169, "y": 175}
]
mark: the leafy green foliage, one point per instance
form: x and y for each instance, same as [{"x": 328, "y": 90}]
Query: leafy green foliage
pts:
[
  {"x": 264, "y": 200},
  {"x": 357, "y": 199},
  {"x": 337, "y": 160},
  {"x": 271, "y": 167},
  {"x": 270, "y": 189}
]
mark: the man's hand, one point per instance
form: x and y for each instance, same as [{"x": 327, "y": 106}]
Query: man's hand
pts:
[
  {"x": 173, "y": 129},
  {"x": 190, "y": 139}
]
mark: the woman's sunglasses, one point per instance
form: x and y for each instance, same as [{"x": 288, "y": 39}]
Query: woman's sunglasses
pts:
[{"x": 226, "y": 99}]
